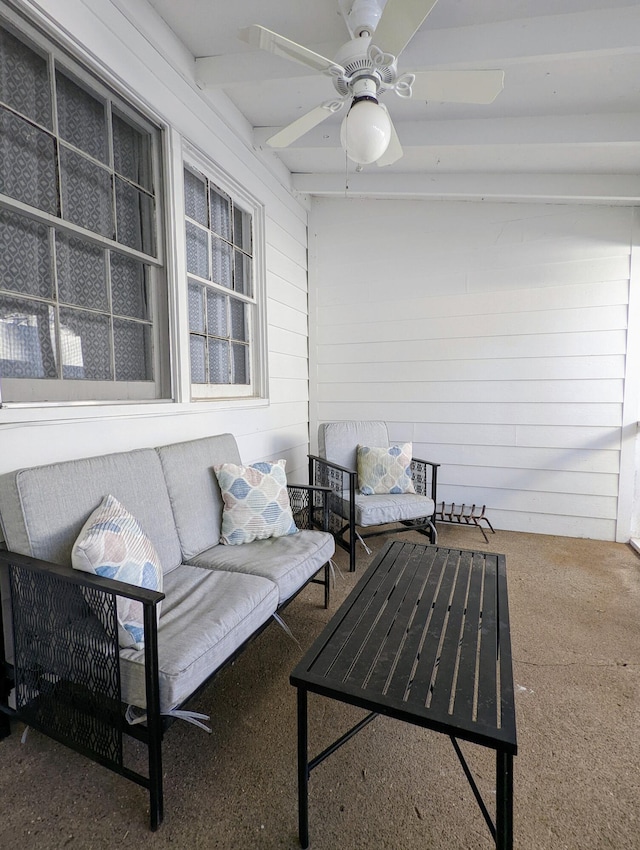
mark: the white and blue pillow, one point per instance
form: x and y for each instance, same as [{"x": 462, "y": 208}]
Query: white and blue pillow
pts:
[
  {"x": 256, "y": 502},
  {"x": 385, "y": 470},
  {"x": 112, "y": 544}
]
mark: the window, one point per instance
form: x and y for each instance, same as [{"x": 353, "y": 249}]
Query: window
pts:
[
  {"x": 83, "y": 306},
  {"x": 221, "y": 290}
]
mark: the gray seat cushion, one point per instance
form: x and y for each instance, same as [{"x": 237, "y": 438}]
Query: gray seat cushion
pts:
[
  {"x": 206, "y": 616},
  {"x": 392, "y": 507},
  {"x": 43, "y": 508},
  {"x": 288, "y": 561},
  {"x": 194, "y": 491},
  {"x": 339, "y": 441}
]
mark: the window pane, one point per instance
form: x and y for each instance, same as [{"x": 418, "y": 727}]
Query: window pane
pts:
[
  {"x": 196, "y": 307},
  {"x": 85, "y": 345},
  {"x": 28, "y": 159},
  {"x": 129, "y": 287},
  {"x": 132, "y": 345},
  {"x": 81, "y": 118},
  {"x": 24, "y": 80},
  {"x": 198, "y": 359},
  {"x": 240, "y": 363},
  {"x": 131, "y": 152},
  {"x": 134, "y": 216},
  {"x": 216, "y": 313},
  {"x": 218, "y": 362},
  {"x": 25, "y": 263},
  {"x": 220, "y": 213},
  {"x": 242, "y": 281},
  {"x": 238, "y": 320},
  {"x": 221, "y": 262},
  {"x": 197, "y": 251},
  {"x": 242, "y": 230},
  {"x": 195, "y": 197},
  {"x": 25, "y": 339},
  {"x": 81, "y": 273},
  {"x": 86, "y": 193}
]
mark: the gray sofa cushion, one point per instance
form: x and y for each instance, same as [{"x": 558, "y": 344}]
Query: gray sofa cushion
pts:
[
  {"x": 206, "y": 616},
  {"x": 43, "y": 508},
  {"x": 288, "y": 561},
  {"x": 339, "y": 441},
  {"x": 392, "y": 507},
  {"x": 193, "y": 488}
]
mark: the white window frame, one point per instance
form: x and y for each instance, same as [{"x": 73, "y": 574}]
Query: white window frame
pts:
[
  {"x": 258, "y": 357},
  {"x": 38, "y": 392}
]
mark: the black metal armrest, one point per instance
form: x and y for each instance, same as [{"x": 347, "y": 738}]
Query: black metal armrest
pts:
[
  {"x": 309, "y": 502},
  {"x": 82, "y": 579},
  {"x": 419, "y": 476},
  {"x": 324, "y": 462}
]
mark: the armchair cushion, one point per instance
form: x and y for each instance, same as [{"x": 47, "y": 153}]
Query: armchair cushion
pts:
[
  {"x": 112, "y": 544},
  {"x": 385, "y": 470},
  {"x": 256, "y": 502}
]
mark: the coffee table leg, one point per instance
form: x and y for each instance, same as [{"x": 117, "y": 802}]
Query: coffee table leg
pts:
[
  {"x": 504, "y": 801},
  {"x": 303, "y": 770}
]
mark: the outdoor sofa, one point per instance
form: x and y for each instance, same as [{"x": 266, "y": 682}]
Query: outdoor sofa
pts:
[{"x": 75, "y": 667}]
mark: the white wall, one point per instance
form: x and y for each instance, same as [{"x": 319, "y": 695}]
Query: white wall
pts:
[
  {"x": 494, "y": 336},
  {"x": 131, "y": 44}
]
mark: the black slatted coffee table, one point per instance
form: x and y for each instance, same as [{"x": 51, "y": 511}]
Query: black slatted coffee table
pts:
[{"x": 424, "y": 638}]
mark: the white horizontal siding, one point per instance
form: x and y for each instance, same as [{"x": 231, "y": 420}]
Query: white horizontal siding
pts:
[{"x": 493, "y": 336}]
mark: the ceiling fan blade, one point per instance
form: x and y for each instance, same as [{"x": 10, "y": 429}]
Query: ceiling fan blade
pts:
[
  {"x": 292, "y": 132},
  {"x": 394, "y": 152},
  {"x": 399, "y": 22},
  {"x": 457, "y": 86},
  {"x": 272, "y": 42}
]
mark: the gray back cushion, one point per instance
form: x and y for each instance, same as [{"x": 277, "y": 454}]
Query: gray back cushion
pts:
[
  {"x": 339, "y": 441},
  {"x": 193, "y": 488},
  {"x": 43, "y": 508}
]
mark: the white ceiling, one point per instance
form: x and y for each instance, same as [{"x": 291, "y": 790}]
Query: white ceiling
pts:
[{"x": 569, "y": 115}]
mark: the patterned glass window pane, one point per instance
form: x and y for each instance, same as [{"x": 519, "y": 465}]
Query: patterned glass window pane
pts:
[
  {"x": 131, "y": 152},
  {"x": 195, "y": 197},
  {"x": 197, "y": 347},
  {"x": 25, "y": 339},
  {"x": 220, "y": 213},
  {"x": 85, "y": 345},
  {"x": 24, "y": 80},
  {"x": 25, "y": 264},
  {"x": 86, "y": 193},
  {"x": 240, "y": 357},
  {"x": 221, "y": 254},
  {"x": 81, "y": 273},
  {"x": 197, "y": 251},
  {"x": 135, "y": 217},
  {"x": 243, "y": 276},
  {"x": 132, "y": 345},
  {"x": 216, "y": 313},
  {"x": 129, "y": 286},
  {"x": 242, "y": 230},
  {"x": 196, "y": 307},
  {"x": 219, "y": 362},
  {"x": 28, "y": 158},
  {"x": 238, "y": 319},
  {"x": 81, "y": 118}
]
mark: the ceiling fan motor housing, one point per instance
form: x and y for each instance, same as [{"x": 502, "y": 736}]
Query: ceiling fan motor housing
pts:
[{"x": 355, "y": 59}]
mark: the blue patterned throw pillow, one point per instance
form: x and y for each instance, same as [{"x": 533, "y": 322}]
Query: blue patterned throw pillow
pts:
[
  {"x": 256, "y": 502},
  {"x": 112, "y": 544},
  {"x": 385, "y": 470}
]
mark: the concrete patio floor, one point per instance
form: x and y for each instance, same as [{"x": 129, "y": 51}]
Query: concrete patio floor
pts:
[{"x": 575, "y": 622}]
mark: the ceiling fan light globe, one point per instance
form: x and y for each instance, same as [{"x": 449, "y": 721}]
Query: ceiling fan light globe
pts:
[{"x": 365, "y": 132}]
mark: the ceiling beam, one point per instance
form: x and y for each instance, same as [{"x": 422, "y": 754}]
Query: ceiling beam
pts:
[
  {"x": 605, "y": 128},
  {"x": 548, "y": 188},
  {"x": 600, "y": 32}
]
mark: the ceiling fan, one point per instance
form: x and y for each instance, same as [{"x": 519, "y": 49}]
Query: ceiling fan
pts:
[{"x": 366, "y": 67}]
